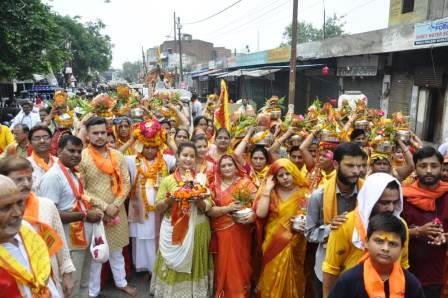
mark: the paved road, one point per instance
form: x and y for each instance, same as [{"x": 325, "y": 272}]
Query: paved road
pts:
[{"x": 139, "y": 280}]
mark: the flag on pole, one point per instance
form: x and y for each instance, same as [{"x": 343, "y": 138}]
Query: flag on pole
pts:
[{"x": 222, "y": 115}]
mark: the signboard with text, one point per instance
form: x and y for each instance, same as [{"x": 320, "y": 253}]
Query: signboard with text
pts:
[{"x": 431, "y": 32}]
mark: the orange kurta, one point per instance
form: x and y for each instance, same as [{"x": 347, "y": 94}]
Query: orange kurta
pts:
[{"x": 233, "y": 268}]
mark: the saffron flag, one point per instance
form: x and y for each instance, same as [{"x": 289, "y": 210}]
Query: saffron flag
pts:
[{"x": 222, "y": 115}]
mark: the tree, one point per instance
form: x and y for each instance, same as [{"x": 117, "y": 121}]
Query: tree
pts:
[
  {"x": 131, "y": 71},
  {"x": 33, "y": 39},
  {"x": 306, "y": 32},
  {"x": 90, "y": 50},
  {"x": 29, "y": 39}
]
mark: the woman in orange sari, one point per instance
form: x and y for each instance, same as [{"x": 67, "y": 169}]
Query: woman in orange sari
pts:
[
  {"x": 281, "y": 198},
  {"x": 233, "y": 237}
]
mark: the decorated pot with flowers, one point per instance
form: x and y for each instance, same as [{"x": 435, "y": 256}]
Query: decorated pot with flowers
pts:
[{"x": 244, "y": 198}]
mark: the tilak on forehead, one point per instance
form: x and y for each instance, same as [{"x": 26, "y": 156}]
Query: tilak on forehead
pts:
[
  {"x": 7, "y": 187},
  {"x": 386, "y": 236}
]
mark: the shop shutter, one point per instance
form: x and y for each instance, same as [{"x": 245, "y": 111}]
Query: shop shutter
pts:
[
  {"x": 369, "y": 86},
  {"x": 400, "y": 93},
  {"x": 427, "y": 76}
]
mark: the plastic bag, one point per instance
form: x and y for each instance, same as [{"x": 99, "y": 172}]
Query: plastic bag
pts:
[{"x": 99, "y": 247}]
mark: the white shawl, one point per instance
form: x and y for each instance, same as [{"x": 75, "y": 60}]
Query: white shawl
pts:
[{"x": 368, "y": 196}]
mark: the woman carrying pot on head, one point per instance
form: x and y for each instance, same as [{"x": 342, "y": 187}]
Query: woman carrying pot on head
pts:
[
  {"x": 258, "y": 160},
  {"x": 204, "y": 167},
  {"x": 221, "y": 145}
]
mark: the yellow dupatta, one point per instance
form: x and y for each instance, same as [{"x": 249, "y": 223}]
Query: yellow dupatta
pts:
[
  {"x": 330, "y": 207},
  {"x": 39, "y": 259}
]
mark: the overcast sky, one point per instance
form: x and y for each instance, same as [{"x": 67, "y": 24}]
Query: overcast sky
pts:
[{"x": 259, "y": 24}]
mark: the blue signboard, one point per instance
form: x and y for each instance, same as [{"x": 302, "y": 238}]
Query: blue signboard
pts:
[{"x": 431, "y": 32}]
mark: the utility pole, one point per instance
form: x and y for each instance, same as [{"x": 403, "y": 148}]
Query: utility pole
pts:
[
  {"x": 293, "y": 58},
  {"x": 145, "y": 67},
  {"x": 179, "y": 27},
  {"x": 176, "y": 79},
  {"x": 323, "y": 1}
]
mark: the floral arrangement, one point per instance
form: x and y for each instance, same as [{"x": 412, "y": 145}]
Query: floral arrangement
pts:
[
  {"x": 149, "y": 133},
  {"x": 242, "y": 124},
  {"x": 102, "y": 105},
  {"x": 60, "y": 98},
  {"x": 160, "y": 100},
  {"x": 187, "y": 191},
  {"x": 314, "y": 110},
  {"x": 121, "y": 98},
  {"x": 400, "y": 121},
  {"x": 243, "y": 196},
  {"x": 383, "y": 131},
  {"x": 272, "y": 104}
]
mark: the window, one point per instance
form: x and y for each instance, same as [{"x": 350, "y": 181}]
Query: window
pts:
[{"x": 407, "y": 6}]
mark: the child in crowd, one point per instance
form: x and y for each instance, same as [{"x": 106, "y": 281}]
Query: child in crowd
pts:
[{"x": 379, "y": 274}]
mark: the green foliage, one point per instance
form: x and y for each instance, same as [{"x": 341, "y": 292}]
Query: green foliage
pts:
[
  {"x": 29, "y": 39},
  {"x": 130, "y": 71},
  {"x": 91, "y": 51},
  {"x": 33, "y": 39},
  {"x": 306, "y": 32}
]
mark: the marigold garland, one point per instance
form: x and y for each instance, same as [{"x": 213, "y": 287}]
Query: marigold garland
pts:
[{"x": 151, "y": 173}]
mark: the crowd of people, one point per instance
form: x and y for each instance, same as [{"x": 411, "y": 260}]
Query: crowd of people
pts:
[{"x": 339, "y": 202}]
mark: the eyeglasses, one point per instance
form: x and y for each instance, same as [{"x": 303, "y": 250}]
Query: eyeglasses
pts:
[{"x": 41, "y": 138}]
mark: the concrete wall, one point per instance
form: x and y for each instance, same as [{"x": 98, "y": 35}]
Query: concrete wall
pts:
[
  {"x": 202, "y": 50},
  {"x": 221, "y": 52},
  {"x": 394, "y": 39},
  {"x": 419, "y": 14},
  {"x": 398, "y": 38},
  {"x": 438, "y": 9}
]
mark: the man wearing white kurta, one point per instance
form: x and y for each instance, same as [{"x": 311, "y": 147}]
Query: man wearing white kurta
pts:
[{"x": 142, "y": 224}]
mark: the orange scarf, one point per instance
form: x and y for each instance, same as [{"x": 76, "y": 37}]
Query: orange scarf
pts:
[
  {"x": 330, "y": 202},
  {"x": 82, "y": 203},
  {"x": 180, "y": 219},
  {"x": 48, "y": 234},
  {"x": 41, "y": 162},
  {"x": 110, "y": 167},
  {"x": 374, "y": 285},
  {"x": 424, "y": 199},
  {"x": 37, "y": 279}
]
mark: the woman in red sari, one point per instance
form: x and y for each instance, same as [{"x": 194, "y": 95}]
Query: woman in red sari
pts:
[
  {"x": 281, "y": 197},
  {"x": 233, "y": 190}
]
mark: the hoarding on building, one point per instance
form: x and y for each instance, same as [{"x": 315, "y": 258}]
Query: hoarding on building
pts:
[{"x": 434, "y": 32}]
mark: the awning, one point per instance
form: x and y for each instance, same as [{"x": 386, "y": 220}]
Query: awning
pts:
[
  {"x": 204, "y": 73},
  {"x": 256, "y": 73},
  {"x": 261, "y": 72}
]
